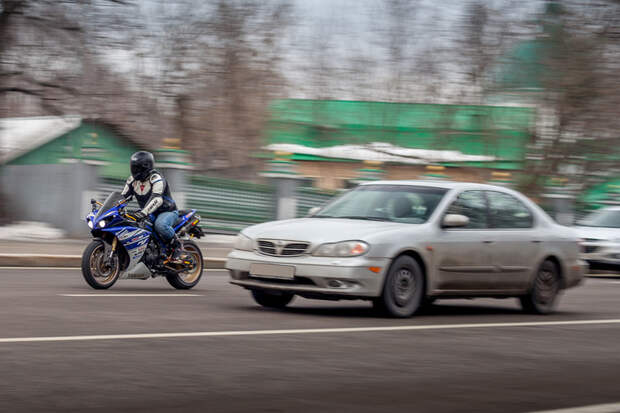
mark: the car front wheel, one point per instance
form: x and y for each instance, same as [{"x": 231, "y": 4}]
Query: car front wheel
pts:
[
  {"x": 403, "y": 290},
  {"x": 272, "y": 300}
]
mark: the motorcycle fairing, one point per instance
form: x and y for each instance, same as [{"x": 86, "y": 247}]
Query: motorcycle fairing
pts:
[{"x": 135, "y": 240}]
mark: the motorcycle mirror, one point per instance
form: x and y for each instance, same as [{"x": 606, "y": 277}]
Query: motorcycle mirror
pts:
[{"x": 93, "y": 201}]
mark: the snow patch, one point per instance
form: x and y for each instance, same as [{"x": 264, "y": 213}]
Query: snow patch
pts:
[
  {"x": 381, "y": 152},
  {"x": 29, "y": 230},
  {"x": 21, "y": 135}
]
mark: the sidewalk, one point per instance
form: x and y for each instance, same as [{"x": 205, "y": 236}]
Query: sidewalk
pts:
[{"x": 68, "y": 252}]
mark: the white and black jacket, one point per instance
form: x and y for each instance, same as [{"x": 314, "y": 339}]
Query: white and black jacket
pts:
[{"x": 152, "y": 194}]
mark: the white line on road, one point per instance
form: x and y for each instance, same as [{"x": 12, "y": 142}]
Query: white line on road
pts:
[
  {"x": 595, "y": 408},
  {"x": 304, "y": 331},
  {"x": 130, "y": 295},
  {"x": 78, "y": 268},
  {"x": 40, "y": 268}
]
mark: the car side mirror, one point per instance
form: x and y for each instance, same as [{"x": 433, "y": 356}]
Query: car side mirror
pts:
[
  {"x": 454, "y": 221},
  {"x": 313, "y": 211}
]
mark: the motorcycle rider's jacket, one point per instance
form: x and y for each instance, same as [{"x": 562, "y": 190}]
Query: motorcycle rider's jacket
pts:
[{"x": 152, "y": 194}]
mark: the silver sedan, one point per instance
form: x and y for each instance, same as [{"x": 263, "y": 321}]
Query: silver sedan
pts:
[
  {"x": 600, "y": 235},
  {"x": 403, "y": 244}
]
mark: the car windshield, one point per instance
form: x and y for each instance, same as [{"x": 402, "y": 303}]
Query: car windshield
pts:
[
  {"x": 396, "y": 203},
  {"x": 110, "y": 201},
  {"x": 604, "y": 218}
]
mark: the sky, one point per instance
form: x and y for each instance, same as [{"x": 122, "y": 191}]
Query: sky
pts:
[{"x": 343, "y": 30}]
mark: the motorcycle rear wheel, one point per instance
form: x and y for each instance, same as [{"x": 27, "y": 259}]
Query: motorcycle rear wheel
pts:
[
  {"x": 98, "y": 273},
  {"x": 188, "y": 279}
]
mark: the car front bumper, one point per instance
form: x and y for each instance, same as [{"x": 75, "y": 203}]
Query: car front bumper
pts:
[
  {"x": 601, "y": 253},
  {"x": 315, "y": 277},
  {"x": 575, "y": 273}
]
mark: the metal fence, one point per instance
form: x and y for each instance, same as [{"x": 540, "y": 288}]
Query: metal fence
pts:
[
  {"x": 226, "y": 205},
  {"x": 107, "y": 186},
  {"x": 311, "y": 197}
]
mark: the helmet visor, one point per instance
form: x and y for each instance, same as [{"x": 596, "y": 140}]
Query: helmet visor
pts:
[{"x": 138, "y": 171}]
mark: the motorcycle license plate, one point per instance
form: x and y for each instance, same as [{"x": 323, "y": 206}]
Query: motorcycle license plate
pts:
[{"x": 284, "y": 272}]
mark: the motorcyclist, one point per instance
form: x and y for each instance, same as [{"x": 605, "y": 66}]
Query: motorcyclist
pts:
[{"x": 152, "y": 192}]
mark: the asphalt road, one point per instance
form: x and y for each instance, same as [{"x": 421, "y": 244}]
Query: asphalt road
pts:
[{"x": 451, "y": 364}]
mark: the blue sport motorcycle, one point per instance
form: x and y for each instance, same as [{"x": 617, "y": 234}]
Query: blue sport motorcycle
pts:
[{"x": 126, "y": 249}]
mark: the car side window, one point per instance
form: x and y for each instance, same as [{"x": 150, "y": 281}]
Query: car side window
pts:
[
  {"x": 506, "y": 211},
  {"x": 473, "y": 205}
]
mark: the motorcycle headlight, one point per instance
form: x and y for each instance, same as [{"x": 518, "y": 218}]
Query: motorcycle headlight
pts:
[
  {"x": 342, "y": 249},
  {"x": 101, "y": 223},
  {"x": 244, "y": 243},
  {"x": 90, "y": 224}
]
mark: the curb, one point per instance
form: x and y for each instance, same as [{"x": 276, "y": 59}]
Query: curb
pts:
[{"x": 43, "y": 260}]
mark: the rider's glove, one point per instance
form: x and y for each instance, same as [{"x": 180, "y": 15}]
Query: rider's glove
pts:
[{"x": 139, "y": 215}]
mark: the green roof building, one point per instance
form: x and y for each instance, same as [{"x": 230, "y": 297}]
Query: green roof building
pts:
[
  {"x": 406, "y": 133},
  {"x": 50, "y": 167}
]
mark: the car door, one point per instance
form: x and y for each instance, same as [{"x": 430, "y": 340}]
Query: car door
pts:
[
  {"x": 464, "y": 256},
  {"x": 518, "y": 242}
]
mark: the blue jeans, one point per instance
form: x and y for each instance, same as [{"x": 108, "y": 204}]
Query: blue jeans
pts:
[{"x": 164, "y": 224}]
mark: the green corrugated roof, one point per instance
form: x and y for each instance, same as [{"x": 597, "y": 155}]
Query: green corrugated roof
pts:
[{"x": 473, "y": 130}]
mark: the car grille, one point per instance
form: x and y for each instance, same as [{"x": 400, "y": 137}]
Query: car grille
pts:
[
  {"x": 589, "y": 249},
  {"x": 282, "y": 248}
]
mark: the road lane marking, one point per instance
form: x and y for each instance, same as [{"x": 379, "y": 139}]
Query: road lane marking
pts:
[
  {"x": 130, "y": 295},
  {"x": 594, "y": 408},
  {"x": 303, "y": 331},
  {"x": 78, "y": 268},
  {"x": 40, "y": 268}
]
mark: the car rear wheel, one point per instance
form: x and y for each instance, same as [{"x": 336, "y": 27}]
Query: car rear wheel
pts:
[
  {"x": 403, "y": 290},
  {"x": 272, "y": 299},
  {"x": 542, "y": 297}
]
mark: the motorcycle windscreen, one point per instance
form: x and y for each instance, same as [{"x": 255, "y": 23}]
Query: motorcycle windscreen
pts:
[{"x": 109, "y": 203}]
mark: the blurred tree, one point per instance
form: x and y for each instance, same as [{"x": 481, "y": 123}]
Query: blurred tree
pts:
[
  {"x": 577, "y": 139},
  {"x": 201, "y": 72},
  {"x": 216, "y": 70}
]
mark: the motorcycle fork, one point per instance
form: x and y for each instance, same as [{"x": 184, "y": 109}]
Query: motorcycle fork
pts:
[{"x": 112, "y": 249}]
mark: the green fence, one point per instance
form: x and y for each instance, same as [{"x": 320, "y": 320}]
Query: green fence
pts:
[
  {"x": 109, "y": 185},
  {"x": 311, "y": 197},
  {"x": 227, "y": 205}
]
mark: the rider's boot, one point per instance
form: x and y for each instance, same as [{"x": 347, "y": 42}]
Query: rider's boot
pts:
[{"x": 178, "y": 255}]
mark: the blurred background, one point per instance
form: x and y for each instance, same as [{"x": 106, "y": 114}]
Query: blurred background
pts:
[{"x": 261, "y": 110}]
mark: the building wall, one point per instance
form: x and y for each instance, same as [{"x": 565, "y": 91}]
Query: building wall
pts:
[
  {"x": 334, "y": 175},
  {"x": 88, "y": 140},
  {"x": 50, "y": 193}
]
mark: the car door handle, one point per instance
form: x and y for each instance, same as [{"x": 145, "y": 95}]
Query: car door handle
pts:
[
  {"x": 536, "y": 241},
  {"x": 488, "y": 242}
]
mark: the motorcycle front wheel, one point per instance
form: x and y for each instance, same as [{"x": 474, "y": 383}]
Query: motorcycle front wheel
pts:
[{"x": 99, "y": 272}]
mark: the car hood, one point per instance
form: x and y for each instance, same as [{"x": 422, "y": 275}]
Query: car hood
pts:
[
  {"x": 320, "y": 230},
  {"x": 602, "y": 233}
]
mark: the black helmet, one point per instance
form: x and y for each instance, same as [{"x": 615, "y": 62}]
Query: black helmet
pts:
[{"x": 141, "y": 165}]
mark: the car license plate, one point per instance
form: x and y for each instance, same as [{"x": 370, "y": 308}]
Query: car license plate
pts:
[{"x": 286, "y": 272}]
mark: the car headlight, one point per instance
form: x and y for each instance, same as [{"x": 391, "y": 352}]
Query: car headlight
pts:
[
  {"x": 244, "y": 243},
  {"x": 342, "y": 249},
  {"x": 101, "y": 223},
  {"x": 90, "y": 224}
]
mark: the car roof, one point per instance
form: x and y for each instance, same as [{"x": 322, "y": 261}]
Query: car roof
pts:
[
  {"x": 440, "y": 184},
  {"x": 610, "y": 208}
]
